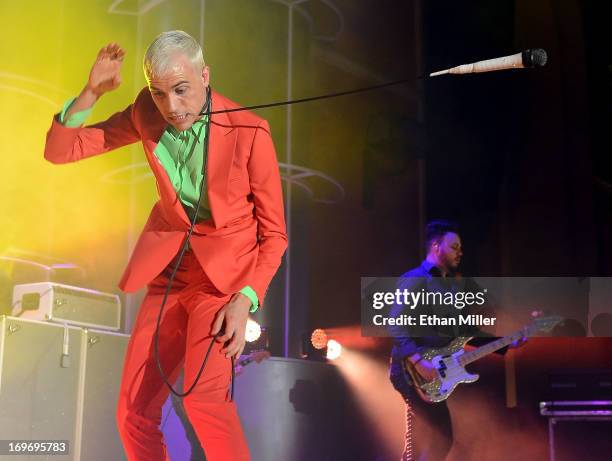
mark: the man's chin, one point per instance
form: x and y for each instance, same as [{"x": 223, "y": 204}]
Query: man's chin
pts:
[{"x": 182, "y": 125}]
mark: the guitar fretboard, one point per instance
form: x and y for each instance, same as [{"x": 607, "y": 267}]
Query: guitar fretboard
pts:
[{"x": 493, "y": 346}]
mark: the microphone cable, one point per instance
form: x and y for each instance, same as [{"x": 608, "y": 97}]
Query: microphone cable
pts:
[
  {"x": 317, "y": 98},
  {"x": 207, "y": 107}
]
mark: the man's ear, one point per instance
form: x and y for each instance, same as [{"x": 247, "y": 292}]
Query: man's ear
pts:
[{"x": 206, "y": 76}]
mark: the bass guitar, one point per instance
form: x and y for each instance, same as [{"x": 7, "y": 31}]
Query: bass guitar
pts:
[{"x": 449, "y": 362}]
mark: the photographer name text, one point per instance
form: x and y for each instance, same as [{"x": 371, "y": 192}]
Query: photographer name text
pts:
[{"x": 433, "y": 320}]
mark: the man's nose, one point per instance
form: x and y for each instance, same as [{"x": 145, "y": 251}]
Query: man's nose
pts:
[{"x": 170, "y": 104}]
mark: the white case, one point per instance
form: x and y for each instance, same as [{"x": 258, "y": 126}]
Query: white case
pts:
[{"x": 67, "y": 304}]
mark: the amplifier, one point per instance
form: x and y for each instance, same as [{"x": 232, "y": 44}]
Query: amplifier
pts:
[
  {"x": 579, "y": 384},
  {"x": 572, "y": 428},
  {"x": 67, "y": 304},
  {"x": 577, "y": 408},
  {"x": 47, "y": 397}
]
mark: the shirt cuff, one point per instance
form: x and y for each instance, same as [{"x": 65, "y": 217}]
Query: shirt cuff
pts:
[
  {"x": 250, "y": 293},
  {"x": 76, "y": 119}
]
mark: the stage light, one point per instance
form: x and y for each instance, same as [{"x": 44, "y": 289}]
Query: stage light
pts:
[
  {"x": 334, "y": 349},
  {"x": 381, "y": 406},
  {"x": 253, "y": 331},
  {"x": 318, "y": 339}
]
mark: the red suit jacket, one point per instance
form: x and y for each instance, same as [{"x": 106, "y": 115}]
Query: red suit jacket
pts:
[{"x": 246, "y": 239}]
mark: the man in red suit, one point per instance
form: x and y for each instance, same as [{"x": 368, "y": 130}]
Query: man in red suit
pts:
[{"x": 232, "y": 191}]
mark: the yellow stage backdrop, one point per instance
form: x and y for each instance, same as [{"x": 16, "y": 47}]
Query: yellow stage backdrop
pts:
[{"x": 90, "y": 213}]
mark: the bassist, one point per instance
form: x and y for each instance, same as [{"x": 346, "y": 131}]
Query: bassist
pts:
[
  {"x": 429, "y": 433},
  {"x": 444, "y": 254}
]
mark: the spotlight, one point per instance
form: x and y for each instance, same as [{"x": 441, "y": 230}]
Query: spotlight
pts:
[
  {"x": 256, "y": 337},
  {"x": 253, "y": 331},
  {"x": 318, "y": 339},
  {"x": 334, "y": 349},
  {"x": 312, "y": 345}
]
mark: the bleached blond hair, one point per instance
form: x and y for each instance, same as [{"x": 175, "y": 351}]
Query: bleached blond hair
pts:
[{"x": 158, "y": 57}]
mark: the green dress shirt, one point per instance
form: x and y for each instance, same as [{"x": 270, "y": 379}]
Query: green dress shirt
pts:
[{"x": 180, "y": 154}]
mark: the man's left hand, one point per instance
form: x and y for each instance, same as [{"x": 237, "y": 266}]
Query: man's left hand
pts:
[{"x": 235, "y": 315}]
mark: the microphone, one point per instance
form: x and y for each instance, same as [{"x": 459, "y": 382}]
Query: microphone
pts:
[{"x": 534, "y": 57}]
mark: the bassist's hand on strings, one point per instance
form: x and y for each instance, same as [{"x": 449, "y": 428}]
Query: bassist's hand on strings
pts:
[{"x": 425, "y": 368}]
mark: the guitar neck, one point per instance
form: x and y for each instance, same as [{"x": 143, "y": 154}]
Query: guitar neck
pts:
[{"x": 488, "y": 348}]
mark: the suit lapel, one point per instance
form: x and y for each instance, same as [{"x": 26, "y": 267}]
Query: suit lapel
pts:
[
  {"x": 220, "y": 156},
  {"x": 155, "y": 126}
]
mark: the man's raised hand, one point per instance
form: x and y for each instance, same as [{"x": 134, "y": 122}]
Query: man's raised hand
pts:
[{"x": 105, "y": 74}]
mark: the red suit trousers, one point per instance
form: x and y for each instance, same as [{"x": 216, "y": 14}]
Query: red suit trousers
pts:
[{"x": 184, "y": 338}]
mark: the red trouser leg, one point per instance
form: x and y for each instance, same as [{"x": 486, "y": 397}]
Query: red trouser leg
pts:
[
  {"x": 142, "y": 392},
  {"x": 184, "y": 335},
  {"x": 213, "y": 416}
]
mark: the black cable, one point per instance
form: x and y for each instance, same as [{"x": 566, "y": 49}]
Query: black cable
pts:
[
  {"x": 314, "y": 98},
  {"x": 233, "y": 376},
  {"x": 208, "y": 105}
]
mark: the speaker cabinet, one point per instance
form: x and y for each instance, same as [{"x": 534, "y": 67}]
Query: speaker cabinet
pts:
[{"x": 60, "y": 383}]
